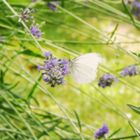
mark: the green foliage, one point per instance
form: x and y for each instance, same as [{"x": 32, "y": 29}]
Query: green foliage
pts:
[
  {"x": 134, "y": 108},
  {"x": 30, "y": 109}
]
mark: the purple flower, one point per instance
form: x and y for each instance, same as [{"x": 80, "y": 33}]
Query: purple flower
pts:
[
  {"x": 45, "y": 78},
  {"x": 40, "y": 67},
  {"x": 26, "y": 14},
  {"x": 52, "y": 63},
  {"x": 136, "y": 8},
  {"x": 136, "y": 3},
  {"x": 54, "y": 70},
  {"x": 130, "y": 70},
  {"x": 35, "y": 31},
  {"x": 53, "y": 5},
  {"x": 47, "y": 54},
  {"x": 65, "y": 66},
  {"x": 101, "y": 132},
  {"x": 107, "y": 80}
]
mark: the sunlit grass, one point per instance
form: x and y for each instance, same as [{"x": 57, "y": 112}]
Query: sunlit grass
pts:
[{"x": 77, "y": 28}]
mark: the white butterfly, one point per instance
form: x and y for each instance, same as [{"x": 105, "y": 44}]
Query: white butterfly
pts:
[{"x": 84, "y": 67}]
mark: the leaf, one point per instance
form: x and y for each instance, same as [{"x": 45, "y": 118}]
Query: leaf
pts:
[
  {"x": 124, "y": 138},
  {"x": 114, "y": 133},
  {"x": 1, "y": 76},
  {"x": 134, "y": 108},
  {"x": 12, "y": 86},
  {"x": 137, "y": 54},
  {"x": 127, "y": 11},
  {"x": 30, "y": 53},
  {"x": 136, "y": 131},
  {"x": 113, "y": 33},
  {"x": 30, "y": 95},
  {"x": 62, "y": 3},
  {"x": 78, "y": 120}
]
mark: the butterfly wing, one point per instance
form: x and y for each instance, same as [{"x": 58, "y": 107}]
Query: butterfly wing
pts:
[{"x": 84, "y": 68}]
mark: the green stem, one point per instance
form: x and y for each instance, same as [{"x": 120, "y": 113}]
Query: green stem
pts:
[
  {"x": 61, "y": 108},
  {"x": 22, "y": 119},
  {"x": 13, "y": 131},
  {"x": 23, "y": 23},
  {"x": 124, "y": 138}
]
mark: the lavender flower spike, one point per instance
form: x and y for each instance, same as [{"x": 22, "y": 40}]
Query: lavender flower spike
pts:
[
  {"x": 136, "y": 8},
  {"x": 35, "y": 31},
  {"x": 54, "y": 70},
  {"x": 26, "y": 15},
  {"x": 130, "y": 71},
  {"x": 107, "y": 80},
  {"x": 47, "y": 54},
  {"x": 101, "y": 132},
  {"x": 53, "y": 5}
]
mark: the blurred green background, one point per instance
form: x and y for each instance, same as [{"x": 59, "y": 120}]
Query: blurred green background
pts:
[{"x": 76, "y": 28}]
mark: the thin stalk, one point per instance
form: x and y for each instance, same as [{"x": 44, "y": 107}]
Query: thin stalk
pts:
[
  {"x": 26, "y": 124},
  {"x": 13, "y": 131},
  {"x": 7, "y": 120},
  {"x": 119, "y": 111},
  {"x": 45, "y": 91},
  {"x": 92, "y": 27},
  {"x": 82, "y": 21},
  {"x": 39, "y": 46},
  {"x": 23, "y": 23}
]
